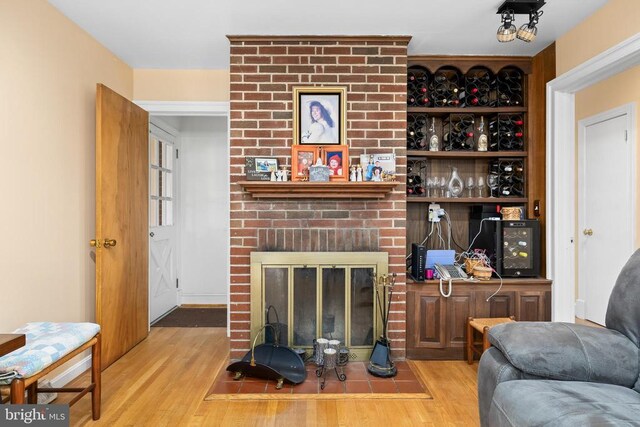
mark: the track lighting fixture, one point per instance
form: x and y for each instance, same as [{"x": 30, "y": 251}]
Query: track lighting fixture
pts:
[{"x": 527, "y": 32}]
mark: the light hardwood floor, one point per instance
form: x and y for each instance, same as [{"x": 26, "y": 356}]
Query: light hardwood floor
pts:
[{"x": 163, "y": 381}]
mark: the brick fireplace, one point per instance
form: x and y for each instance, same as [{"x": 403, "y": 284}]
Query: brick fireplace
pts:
[{"x": 264, "y": 70}]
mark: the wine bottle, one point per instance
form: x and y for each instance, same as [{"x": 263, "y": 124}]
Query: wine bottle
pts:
[
  {"x": 434, "y": 144},
  {"x": 482, "y": 136}
]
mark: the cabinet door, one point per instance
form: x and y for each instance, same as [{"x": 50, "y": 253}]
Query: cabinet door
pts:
[
  {"x": 428, "y": 313},
  {"x": 500, "y": 305},
  {"x": 530, "y": 306},
  {"x": 459, "y": 308}
]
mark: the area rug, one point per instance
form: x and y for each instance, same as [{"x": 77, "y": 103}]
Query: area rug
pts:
[
  {"x": 183, "y": 317},
  {"x": 359, "y": 384}
]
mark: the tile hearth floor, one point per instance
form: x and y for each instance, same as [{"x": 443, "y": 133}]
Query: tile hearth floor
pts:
[{"x": 358, "y": 381}]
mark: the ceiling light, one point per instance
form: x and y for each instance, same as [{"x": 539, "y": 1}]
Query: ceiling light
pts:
[
  {"x": 527, "y": 32},
  {"x": 506, "y": 31}
]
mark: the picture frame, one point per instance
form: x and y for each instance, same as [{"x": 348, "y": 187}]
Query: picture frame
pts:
[
  {"x": 337, "y": 159},
  {"x": 302, "y": 157},
  {"x": 260, "y": 168},
  {"x": 378, "y": 167},
  {"x": 319, "y": 115}
]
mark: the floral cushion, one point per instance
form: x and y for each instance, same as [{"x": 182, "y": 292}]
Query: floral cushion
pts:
[{"x": 47, "y": 342}]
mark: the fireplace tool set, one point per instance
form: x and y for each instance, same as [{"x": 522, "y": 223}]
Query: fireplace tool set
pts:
[{"x": 380, "y": 363}]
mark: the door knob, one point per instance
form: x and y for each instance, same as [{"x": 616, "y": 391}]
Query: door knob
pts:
[
  {"x": 587, "y": 232},
  {"x": 152, "y": 234},
  {"x": 94, "y": 243},
  {"x": 108, "y": 243}
]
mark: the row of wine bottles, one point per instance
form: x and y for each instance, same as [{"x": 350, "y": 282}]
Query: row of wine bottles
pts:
[
  {"x": 463, "y": 132},
  {"x": 479, "y": 87}
]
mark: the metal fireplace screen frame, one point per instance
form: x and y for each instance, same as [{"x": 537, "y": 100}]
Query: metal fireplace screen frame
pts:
[{"x": 261, "y": 261}]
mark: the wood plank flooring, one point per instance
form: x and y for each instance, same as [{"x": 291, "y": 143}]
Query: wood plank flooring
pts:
[{"x": 163, "y": 382}]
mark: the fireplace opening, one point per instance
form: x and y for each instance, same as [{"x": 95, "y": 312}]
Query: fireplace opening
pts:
[{"x": 318, "y": 294}]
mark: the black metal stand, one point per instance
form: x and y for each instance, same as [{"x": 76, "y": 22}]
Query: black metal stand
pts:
[{"x": 322, "y": 372}]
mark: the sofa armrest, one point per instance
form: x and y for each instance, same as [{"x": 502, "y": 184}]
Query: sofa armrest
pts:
[
  {"x": 493, "y": 369},
  {"x": 565, "y": 351}
]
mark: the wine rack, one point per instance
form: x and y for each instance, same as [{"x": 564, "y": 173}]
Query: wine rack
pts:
[
  {"x": 510, "y": 177},
  {"x": 506, "y": 132},
  {"x": 417, "y": 132},
  {"x": 447, "y": 87},
  {"x": 477, "y": 88},
  {"x": 418, "y": 80},
  {"x": 458, "y": 133},
  {"x": 416, "y": 177}
]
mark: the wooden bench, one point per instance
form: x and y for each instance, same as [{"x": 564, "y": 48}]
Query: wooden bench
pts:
[
  {"x": 482, "y": 325},
  {"x": 29, "y": 382}
]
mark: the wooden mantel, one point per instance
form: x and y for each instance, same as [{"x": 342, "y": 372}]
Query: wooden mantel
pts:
[{"x": 318, "y": 190}]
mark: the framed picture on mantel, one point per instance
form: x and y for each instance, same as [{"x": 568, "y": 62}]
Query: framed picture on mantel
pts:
[{"x": 319, "y": 115}]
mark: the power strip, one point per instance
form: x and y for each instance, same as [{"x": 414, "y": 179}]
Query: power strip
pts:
[{"x": 435, "y": 213}]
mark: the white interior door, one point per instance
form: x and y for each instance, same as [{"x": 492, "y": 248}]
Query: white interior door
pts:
[
  {"x": 163, "y": 285},
  {"x": 607, "y": 203}
]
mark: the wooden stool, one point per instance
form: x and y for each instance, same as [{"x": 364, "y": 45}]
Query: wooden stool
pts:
[{"x": 483, "y": 326}]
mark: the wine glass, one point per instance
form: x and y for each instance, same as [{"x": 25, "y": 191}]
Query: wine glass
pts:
[
  {"x": 492, "y": 183},
  {"x": 480, "y": 186},
  {"x": 443, "y": 186},
  {"x": 470, "y": 186}
]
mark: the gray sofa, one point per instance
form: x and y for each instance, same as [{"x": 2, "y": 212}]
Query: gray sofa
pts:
[{"x": 563, "y": 374}]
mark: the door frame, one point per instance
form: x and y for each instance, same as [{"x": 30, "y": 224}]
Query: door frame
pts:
[
  {"x": 561, "y": 167},
  {"x": 199, "y": 109},
  {"x": 628, "y": 110}
]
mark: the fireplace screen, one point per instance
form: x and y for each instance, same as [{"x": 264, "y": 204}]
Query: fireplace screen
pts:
[{"x": 322, "y": 299}]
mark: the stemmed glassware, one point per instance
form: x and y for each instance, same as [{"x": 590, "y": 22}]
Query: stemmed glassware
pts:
[
  {"x": 443, "y": 186},
  {"x": 470, "y": 186},
  {"x": 480, "y": 186}
]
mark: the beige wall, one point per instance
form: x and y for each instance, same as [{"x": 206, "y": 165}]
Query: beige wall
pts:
[
  {"x": 181, "y": 85},
  {"x": 614, "y": 22},
  {"x": 49, "y": 70}
]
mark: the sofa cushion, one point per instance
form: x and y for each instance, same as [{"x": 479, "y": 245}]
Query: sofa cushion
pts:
[
  {"x": 565, "y": 351},
  {"x": 561, "y": 403},
  {"x": 622, "y": 313}
]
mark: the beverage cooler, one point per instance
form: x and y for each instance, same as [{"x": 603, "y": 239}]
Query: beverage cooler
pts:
[{"x": 512, "y": 246}]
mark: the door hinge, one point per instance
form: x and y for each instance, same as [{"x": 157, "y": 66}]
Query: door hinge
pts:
[
  {"x": 177, "y": 153},
  {"x": 626, "y": 135},
  {"x": 177, "y": 283}
]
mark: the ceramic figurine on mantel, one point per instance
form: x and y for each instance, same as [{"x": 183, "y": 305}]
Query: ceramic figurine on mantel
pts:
[
  {"x": 273, "y": 176},
  {"x": 352, "y": 176},
  {"x": 359, "y": 174}
]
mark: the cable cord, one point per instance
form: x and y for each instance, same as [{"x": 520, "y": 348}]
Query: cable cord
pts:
[{"x": 448, "y": 294}]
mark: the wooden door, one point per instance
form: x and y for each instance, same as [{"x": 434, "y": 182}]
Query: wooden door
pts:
[{"x": 122, "y": 187}]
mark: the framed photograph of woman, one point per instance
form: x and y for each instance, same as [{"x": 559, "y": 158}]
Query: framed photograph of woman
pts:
[
  {"x": 319, "y": 115},
  {"x": 301, "y": 158},
  {"x": 337, "y": 158}
]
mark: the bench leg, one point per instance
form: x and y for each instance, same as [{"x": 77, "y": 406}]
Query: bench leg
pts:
[
  {"x": 469, "y": 341},
  {"x": 485, "y": 338},
  {"x": 96, "y": 378},
  {"x": 32, "y": 393},
  {"x": 17, "y": 391}
]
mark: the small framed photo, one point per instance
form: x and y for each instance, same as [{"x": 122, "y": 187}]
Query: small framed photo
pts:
[
  {"x": 260, "y": 168},
  {"x": 302, "y": 157},
  {"x": 319, "y": 115},
  {"x": 337, "y": 159},
  {"x": 378, "y": 167}
]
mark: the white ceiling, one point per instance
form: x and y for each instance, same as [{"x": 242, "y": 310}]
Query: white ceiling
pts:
[{"x": 190, "y": 34}]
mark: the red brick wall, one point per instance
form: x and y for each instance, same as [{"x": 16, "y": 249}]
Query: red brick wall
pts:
[{"x": 263, "y": 73}]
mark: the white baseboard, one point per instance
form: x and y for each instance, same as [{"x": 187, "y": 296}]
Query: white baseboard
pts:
[
  {"x": 203, "y": 299},
  {"x": 580, "y": 308},
  {"x": 71, "y": 373}
]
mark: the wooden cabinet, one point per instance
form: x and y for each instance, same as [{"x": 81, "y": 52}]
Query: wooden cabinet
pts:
[{"x": 436, "y": 326}]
